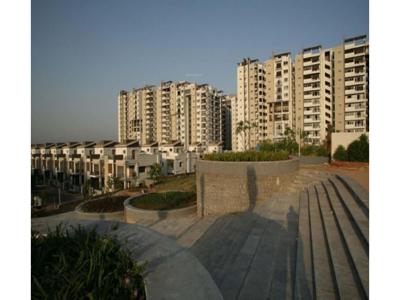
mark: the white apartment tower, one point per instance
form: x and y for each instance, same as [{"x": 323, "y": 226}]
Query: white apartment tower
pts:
[
  {"x": 250, "y": 106},
  {"x": 352, "y": 85},
  {"x": 279, "y": 95},
  {"x": 314, "y": 93},
  {"x": 173, "y": 111}
]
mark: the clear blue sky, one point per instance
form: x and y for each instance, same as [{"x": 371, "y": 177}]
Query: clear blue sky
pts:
[{"x": 85, "y": 51}]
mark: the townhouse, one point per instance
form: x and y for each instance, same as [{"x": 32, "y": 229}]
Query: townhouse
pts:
[{"x": 71, "y": 165}]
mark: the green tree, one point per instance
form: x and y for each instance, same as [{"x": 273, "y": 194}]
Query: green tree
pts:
[
  {"x": 359, "y": 150},
  {"x": 155, "y": 172},
  {"x": 340, "y": 153}
]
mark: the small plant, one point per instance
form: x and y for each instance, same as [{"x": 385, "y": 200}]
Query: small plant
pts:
[
  {"x": 81, "y": 264},
  {"x": 155, "y": 172},
  {"x": 340, "y": 153}
]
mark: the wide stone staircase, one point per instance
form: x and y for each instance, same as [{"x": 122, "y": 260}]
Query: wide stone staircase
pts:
[{"x": 333, "y": 241}]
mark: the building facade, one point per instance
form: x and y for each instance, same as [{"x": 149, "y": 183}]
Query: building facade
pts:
[
  {"x": 250, "y": 106},
  {"x": 352, "y": 85},
  {"x": 321, "y": 91},
  {"x": 173, "y": 111}
]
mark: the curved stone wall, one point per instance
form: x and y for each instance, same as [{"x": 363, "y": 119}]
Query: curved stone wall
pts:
[
  {"x": 225, "y": 187},
  {"x": 133, "y": 214}
]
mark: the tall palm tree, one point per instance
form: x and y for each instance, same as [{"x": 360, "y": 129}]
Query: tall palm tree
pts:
[{"x": 243, "y": 128}]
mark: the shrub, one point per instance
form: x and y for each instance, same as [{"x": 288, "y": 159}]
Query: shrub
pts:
[
  {"x": 155, "y": 171},
  {"x": 287, "y": 144},
  {"x": 359, "y": 150},
  {"x": 164, "y": 201},
  {"x": 81, "y": 264},
  {"x": 314, "y": 150},
  {"x": 248, "y": 156},
  {"x": 340, "y": 153}
]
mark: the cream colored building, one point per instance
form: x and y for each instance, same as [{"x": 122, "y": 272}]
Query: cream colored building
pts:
[
  {"x": 351, "y": 85},
  {"x": 279, "y": 95},
  {"x": 250, "y": 105},
  {"x": 314, "y": 93},
  {"x": 173, "y": 111}
]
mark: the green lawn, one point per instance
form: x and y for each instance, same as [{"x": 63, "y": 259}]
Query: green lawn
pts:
[{"x": 185, "y": 183}]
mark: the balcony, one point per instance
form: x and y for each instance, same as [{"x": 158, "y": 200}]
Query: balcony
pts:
[
  {"x": 354, "y": 82},
  {"x": 311, "y": 80},
  {"x": 354, "y": 91},
  {"x": 354, "y": 64},
  {"x": 354, "y": 109},
  {"x": 312, "y": 71}
]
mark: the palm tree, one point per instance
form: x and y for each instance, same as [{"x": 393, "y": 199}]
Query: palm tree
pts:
[{"x": 242, "y": 128}]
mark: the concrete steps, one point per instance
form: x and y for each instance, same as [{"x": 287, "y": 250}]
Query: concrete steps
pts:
[{"x": 333, "y": 242}]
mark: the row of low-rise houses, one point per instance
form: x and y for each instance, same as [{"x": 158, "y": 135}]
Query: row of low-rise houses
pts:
[
  {"x": 74, "y": 163},
  {"x": 318, "y": 91}
]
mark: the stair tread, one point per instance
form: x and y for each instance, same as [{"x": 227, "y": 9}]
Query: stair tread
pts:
[
  {"x": 356, "y": 249},
  {"x": 355, "y": 188},
  {"x": 323, "y": 274},
  {"x": 304, "y": 275},
  {"x": 356, "y": 211},
  {"x": 346, "y": 283}
]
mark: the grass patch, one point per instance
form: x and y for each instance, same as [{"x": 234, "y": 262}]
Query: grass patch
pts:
[
  {"x": 185, "y": 183},
  {"x": 81, "y": 264},
  {"x": 106, "y": 204},
  {"x": 164, "y": 201},
  {"x": 248, "y": 156}
]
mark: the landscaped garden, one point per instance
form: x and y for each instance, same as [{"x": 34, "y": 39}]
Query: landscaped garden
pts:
[
  {"x": 81, "y": 264},
  {"x": 105, "y": 204},
  {"x": 164, "y": 200}
]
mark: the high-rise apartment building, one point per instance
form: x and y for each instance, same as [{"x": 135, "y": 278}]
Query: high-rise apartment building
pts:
[
  {"x": 279, "y": 95},
  {"x": 314, "y": 93},
  {"x": 227, "y": 120},
  {"x": 250, "y": 107},
  {"x": 351, "y": 85},
  {"x": 136, "y": 114},
  {"x": 173, "y": 111}
]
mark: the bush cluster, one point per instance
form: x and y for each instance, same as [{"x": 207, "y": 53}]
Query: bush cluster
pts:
[
  {"x": 357, "y": 151},
  {"x": 81, "y": 264},
  {"x": 248, "y": 156},
  {"x": 164, "y": 201},
  {"x": 314, "y": 150}
]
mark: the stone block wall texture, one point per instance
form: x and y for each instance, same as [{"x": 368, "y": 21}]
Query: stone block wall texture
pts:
[{"x": 226, "y": 187}]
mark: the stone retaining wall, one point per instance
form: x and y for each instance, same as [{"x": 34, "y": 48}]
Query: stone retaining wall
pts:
[
  {"x": 225, "y": 187},
  {"x": 133, "y": 214}
]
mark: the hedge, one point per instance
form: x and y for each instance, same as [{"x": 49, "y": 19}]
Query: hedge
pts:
[{"x": 248, "y": 156}]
